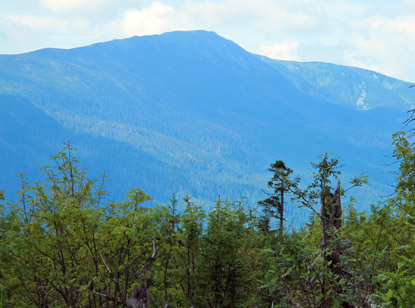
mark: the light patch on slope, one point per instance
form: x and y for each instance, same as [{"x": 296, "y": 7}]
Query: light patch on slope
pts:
[
  {"x": 387, "y": 85},
  {"x": 375, "y": 76},
  {"x": 360, "y": 103}
]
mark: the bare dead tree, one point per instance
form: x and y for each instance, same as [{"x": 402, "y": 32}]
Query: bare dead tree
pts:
[
  {"x": 331, "y": 222},
  {"x": 139, "y": 297}
]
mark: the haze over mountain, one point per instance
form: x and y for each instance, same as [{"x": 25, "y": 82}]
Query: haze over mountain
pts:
[{"x": 194, "y": 113}]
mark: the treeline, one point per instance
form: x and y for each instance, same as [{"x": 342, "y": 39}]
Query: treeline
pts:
[{"x": 63, "y": 244}]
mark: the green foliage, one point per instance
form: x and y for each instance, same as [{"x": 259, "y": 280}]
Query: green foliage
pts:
[
  {"x": 405, "y": 189},
  {"x": 326, "y": 169},
  {"x": 222, "y": 270},
  {"x": 397, "y": 268},
  {"x": 65, "y": 245}
]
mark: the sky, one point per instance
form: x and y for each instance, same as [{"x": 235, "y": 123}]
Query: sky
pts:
[{"x": 372, "y": 34}]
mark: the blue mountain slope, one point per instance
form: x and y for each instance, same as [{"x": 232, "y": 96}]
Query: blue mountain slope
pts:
[
  {"x": 192, "y": 112},
  {"x": 28, "y": 137},
  {"x": 349, "y": 86}
]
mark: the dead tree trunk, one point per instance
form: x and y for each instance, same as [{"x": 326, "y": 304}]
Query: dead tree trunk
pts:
[
  {"x": 140, "y": 296},
  {"x": 331, "y": 215}
]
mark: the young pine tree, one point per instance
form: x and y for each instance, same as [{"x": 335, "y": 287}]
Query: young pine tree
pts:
[{"x": 282, "y": 185}]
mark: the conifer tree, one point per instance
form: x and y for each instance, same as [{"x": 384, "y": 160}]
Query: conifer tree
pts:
[{"x": 282, "y": 185}]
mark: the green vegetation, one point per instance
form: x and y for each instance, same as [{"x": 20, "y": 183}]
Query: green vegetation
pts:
[{"x": 63, "y": 244}]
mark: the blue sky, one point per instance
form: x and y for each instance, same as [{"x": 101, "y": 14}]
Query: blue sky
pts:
[{"x": 373, "y": 34}]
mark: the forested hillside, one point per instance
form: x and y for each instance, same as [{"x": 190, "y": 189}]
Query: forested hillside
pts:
[
  {"x": 65, "y": 244},
  {"x": 194, "y": 113}
]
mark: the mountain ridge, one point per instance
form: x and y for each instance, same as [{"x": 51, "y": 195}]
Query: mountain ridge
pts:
[{"x": 203, "y": 108}]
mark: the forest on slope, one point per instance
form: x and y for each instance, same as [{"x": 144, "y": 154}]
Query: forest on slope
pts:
[
  {"x": 194, "y": 113},
  {"x": 65, "y": 244}
]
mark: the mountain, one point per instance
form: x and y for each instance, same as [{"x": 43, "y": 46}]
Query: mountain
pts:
[
  {"x": 346, "y": 85},
  {"x": 194, "y": 113}
]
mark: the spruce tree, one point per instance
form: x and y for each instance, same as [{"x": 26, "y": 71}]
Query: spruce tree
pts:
[{"x": 282, "y": 185}]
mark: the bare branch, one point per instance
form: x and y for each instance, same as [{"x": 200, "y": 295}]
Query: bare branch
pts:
[
  {"x": 154, "y": 248},
  {"x": 102, "y": 258},
  {"x": 109, "y": 298},
  {"x": 100, "y": 294}
]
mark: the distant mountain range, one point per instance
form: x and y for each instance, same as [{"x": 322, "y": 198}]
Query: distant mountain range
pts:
[{"x": 194, "y": 113}]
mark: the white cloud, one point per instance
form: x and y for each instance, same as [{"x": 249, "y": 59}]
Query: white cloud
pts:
[
  {"x": 267, "y": 16},
  {"x": 403, "y": 25},
  {"x": 384, "y": 45},
  {"x": 64, "y": 6},
  {"x": 49, "y": 24},
  {"x": 280, "y": 51},
  {"x": 152, "y": 20},
  {"x": 408, "y": 4}
]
